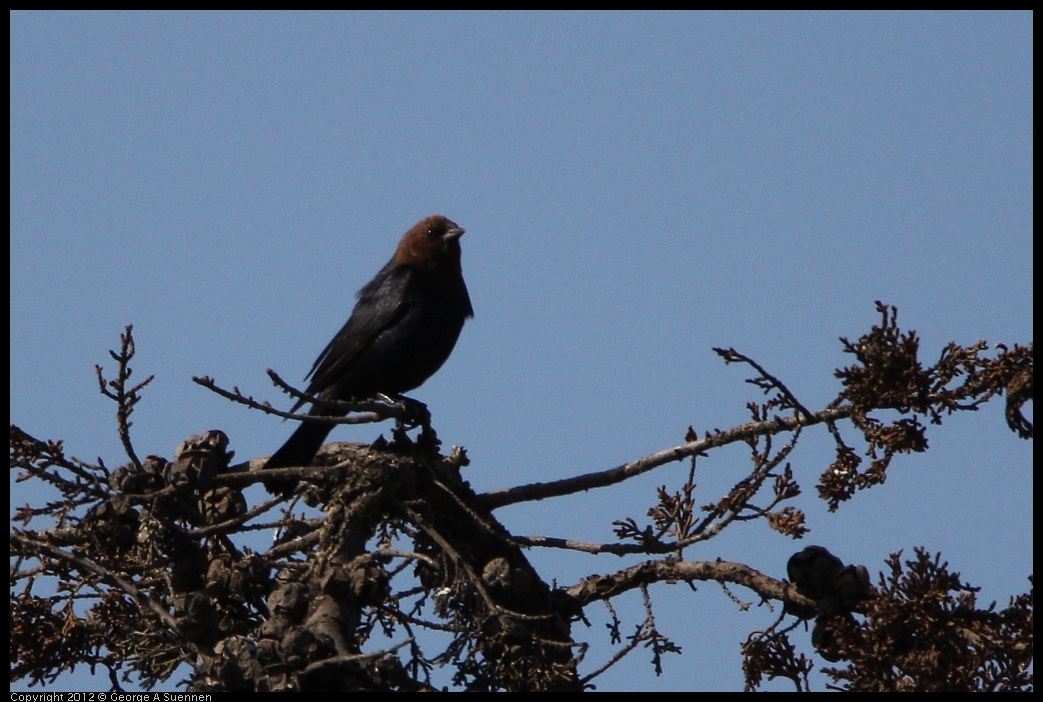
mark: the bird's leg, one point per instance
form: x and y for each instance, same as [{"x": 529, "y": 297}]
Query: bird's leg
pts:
[{"x": 415, "y": 414}]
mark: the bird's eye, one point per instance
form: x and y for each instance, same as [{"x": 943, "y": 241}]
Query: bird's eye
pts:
[{"x": 432, "y": 233}]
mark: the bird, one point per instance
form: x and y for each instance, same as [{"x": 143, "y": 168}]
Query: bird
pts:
[{"x": 405, "y": 323}]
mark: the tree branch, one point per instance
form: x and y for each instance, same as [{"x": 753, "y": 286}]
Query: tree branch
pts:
[
  {"x": 588, "y": 481},
  {"x": 605, "y": 587},
  {"x": 34, "y": 546}
]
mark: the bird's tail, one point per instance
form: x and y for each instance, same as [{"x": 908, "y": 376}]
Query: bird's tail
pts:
[{"x": 299, "y": 450}]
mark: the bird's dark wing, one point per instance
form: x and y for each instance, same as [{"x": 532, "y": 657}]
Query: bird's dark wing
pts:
[{"x": 381, "y": 304}]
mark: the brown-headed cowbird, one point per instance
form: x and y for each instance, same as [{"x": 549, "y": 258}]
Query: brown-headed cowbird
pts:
[{"x": 403, "y": 328}]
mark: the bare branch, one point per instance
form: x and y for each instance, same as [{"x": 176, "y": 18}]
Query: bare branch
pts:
[
  {"x": 124, "y": 398},
  {"x": 588, "y": 481},
  {"x": 604, "y": 587},
  {"x": 373, "y": 411}
]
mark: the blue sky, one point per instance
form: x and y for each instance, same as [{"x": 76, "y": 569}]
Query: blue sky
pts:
[{"x": 636, "y": 189}]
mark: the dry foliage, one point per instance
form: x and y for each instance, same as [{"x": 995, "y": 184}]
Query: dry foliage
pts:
[{"x": 143, "y": 571}]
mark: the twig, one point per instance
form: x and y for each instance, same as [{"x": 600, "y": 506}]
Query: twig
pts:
[
  {"x": 589, "y": 481},
  {"x": 766, "y": 381},
  {"x": 372, "y": 411},
  {"x": 105, "y": 574},
  {"x": 125, "y": 399}
]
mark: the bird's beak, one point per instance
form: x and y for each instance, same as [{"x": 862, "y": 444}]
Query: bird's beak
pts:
[{"x": 453, "y": 234}]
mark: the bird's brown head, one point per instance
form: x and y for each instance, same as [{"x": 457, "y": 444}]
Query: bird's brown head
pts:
[{"x": 432, "y": 242}]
